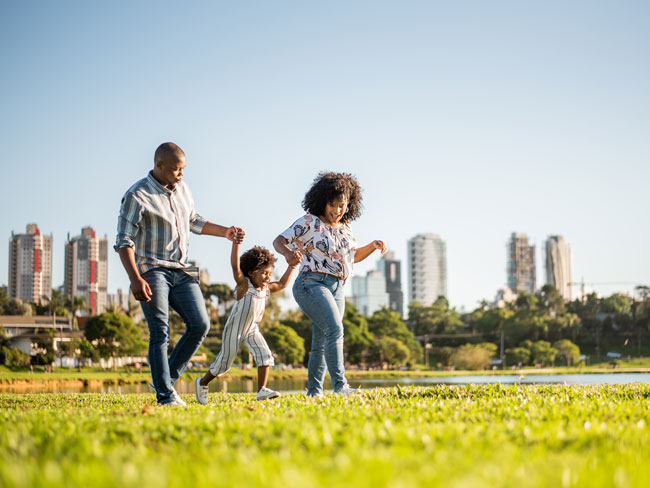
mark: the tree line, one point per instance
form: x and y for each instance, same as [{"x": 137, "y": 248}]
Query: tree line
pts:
[{"x": 535, "y": 329}]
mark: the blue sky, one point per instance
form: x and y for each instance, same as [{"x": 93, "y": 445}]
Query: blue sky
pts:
[{"x": 470, "y": 120}]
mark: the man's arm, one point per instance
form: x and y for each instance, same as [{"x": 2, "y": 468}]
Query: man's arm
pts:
[
  {"x": 230, "y": 233},
  {"x": 139, "y": 287}
]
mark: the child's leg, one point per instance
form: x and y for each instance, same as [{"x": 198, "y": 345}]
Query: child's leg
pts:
[
  {"x": 262, "y": 376},
  {"x": 207, "y": 378},
  {"x": 261, "y": 354},
  {"x": 230, "y": 342}
]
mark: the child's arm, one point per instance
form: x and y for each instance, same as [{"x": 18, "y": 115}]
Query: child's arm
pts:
[
  {"x": 282, "y": 283},
  {"x": 240, "y": 279},
  {"x": 365, "y": 251},
  {"x": 293, "y": 256}
]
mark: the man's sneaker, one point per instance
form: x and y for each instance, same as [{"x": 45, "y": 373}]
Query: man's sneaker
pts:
[
  {"x": 347, "y": 391},
  {"x": 317, "y": 396},
  {"x": 201, "y": 392},
  {"x": 176, "y": 402},
  {"x": 266, "y": 394},
  {"x": 177, "y": 398}
]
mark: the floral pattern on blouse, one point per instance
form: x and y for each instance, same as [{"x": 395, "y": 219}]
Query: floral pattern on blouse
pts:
[{"x": 325, "y": 249}]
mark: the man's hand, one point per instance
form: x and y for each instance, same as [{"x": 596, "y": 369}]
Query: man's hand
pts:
[
  {"x": 141, "y": 290},
  {"x": 235, "y": 234}
]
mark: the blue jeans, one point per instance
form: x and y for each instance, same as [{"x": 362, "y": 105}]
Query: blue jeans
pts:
[
  {"x": 175, "y": 288},
  {"x": 321, "y": 298}
]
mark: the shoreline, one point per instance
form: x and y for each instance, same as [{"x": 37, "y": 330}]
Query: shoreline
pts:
[{"x": 85, "y": 379}]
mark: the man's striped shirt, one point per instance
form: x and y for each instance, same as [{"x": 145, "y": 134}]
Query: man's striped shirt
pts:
[{"x": 156, "y": 222}]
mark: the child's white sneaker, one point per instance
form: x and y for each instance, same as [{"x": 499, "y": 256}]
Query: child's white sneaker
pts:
[
  {"x": 266, "y": 394},
  {"x": 201, "y": 392}
]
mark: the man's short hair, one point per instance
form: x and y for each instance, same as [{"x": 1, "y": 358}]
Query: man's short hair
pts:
[{"x": 167, "y": 151}]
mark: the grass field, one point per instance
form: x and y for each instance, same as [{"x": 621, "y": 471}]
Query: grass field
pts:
[{"x": 451, "y": 436}]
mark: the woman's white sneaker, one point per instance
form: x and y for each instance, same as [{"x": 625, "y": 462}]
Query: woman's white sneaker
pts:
[
  {"x": 201, "y": 392},
  {"x": 266, "y": 394}
]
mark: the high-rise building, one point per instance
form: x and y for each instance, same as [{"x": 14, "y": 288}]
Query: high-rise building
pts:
[
  {"x": 86, "y": 269},
  {"x": 558, "y": 265},
  {"x": 391, "y": 268},
  {"x": 369, "y": 292},
  {"x": 521, "y": 263},
  {"x": 30, "y": 265},
  {"x": 427, "y": 268}
]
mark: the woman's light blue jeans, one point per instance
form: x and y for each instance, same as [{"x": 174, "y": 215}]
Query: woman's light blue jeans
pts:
[
  {"x": 321, "y": 298},
  {"x": 175, "y": 288}
]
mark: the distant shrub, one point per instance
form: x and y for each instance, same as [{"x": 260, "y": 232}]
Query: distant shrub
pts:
[{"x": 471, "y": 357}]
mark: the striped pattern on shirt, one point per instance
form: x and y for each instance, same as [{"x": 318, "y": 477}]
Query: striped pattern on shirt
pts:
[
  {"x": 243, "y": 326},
  {"x": 156, "y": 222}
]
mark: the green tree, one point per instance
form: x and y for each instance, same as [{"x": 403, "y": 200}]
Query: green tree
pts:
[
  {"x": 518, "y": 355},
  {"x": 389, "y": 351},
  {"x": 437, "y": 318},
  {"x": 114, "y": 335},
  {"x": 286, "y": 344},
  {"x": 299, "y": 322},
  {"x": 87, "y": 351},
  {"x": 543, "y": 353},
  {"x": 386, "y": 323},
  {"x": 472, "y": 357},
  {"x": 357, "y": 335},
  {"x": 4, "y": 299},
  {"x": 15, "y": 306},
  {"x": 568, "y": 351}
]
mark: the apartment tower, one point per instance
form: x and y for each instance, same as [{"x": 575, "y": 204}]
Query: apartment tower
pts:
[
  {"x": 427, "y": 268},
  {"x": 391, "y": 268},
  {"x": 86, "y": 266},
  {"x": 558, "y": 265},
  {"x": 521, "y": 264},
  {"x": 30, "y": 265}
]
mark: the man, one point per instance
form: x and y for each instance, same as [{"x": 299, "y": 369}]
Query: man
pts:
[{"x": 156, "y": 217}]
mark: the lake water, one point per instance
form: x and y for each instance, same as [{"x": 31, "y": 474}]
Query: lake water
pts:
[{"x": 295, "y": 386}]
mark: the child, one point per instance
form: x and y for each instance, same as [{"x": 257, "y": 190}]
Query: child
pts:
[
  {"x": 253, "y": 277},
  {"x": 323, "y": 243}
]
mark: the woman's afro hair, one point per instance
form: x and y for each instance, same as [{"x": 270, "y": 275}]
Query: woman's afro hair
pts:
[
  {"x": 330, "y": 186},
  {"x": 256, "y": 258}
]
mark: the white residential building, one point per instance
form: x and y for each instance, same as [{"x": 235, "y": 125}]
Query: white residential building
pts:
[
  {"x": 369, "y": 292},
  {"x": 86, "y": 269},
  {"x": 30, "y": 266},
  {"x": 427, "y": 268}
]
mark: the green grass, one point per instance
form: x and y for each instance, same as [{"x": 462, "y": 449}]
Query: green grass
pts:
[{"x": 447, "y": 436}]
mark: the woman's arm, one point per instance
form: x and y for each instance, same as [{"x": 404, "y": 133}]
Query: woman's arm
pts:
[
  {"x": 293, "y": 256},
  {"x": 365, "y": 251}
]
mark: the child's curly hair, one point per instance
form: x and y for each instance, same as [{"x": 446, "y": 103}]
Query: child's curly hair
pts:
[
  {"x": 329, "y": 186},
  {"x": 256, "y": 258}
]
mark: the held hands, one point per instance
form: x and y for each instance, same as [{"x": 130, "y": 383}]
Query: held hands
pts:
[
  {"x": 235, "y": 234},
  {"x": 379, "y": 245},
  {"x": 293, "y": 257},
  {"x": 141, "y": 290}
]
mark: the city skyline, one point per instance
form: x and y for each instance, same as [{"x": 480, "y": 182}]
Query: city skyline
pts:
[
  {"x": 556, "y": 262},
  {"x": 464, "y": 120}
]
